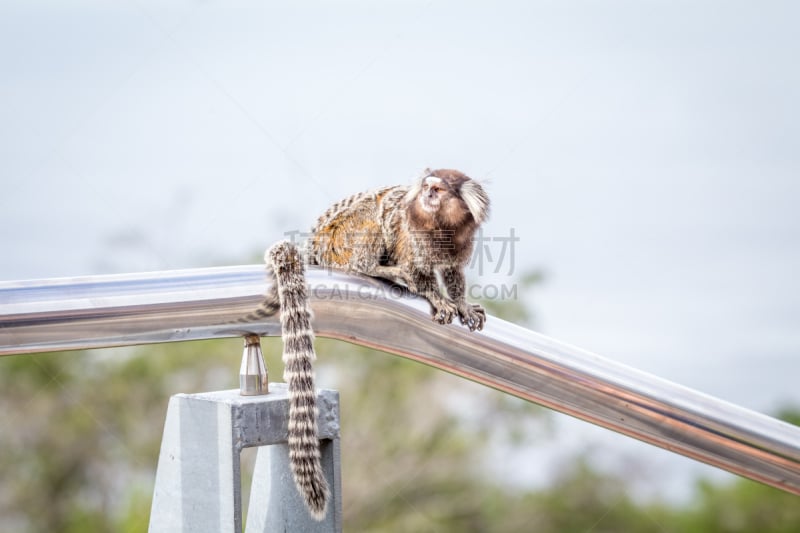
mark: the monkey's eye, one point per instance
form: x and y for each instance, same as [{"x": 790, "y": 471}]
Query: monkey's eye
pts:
[{"x": 432, "y": 186}]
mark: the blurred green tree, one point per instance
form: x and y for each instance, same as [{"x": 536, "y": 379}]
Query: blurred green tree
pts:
[{"x": 80, "y": 430}]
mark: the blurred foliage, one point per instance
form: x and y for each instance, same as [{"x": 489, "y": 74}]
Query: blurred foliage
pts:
[
  {"x": 80, "y": 430},
  {"x": 80, "y": 434}
]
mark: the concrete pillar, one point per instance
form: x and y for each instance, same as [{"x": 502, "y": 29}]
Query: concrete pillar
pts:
[{"x": 198, "y": 481}]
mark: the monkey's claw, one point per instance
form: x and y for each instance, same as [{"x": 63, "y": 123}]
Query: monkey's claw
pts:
[
  {"x": 473, "y": 316},
  {"x": 444, "y": 313},
  {"x": 443, "y": 317}
]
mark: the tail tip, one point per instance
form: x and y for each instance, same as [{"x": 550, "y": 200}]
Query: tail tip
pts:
[{"x": 317, "y": 503}]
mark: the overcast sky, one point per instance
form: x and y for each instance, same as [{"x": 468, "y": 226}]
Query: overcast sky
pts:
[{"x": 645, "y": 153}]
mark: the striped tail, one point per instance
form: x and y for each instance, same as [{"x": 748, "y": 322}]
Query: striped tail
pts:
[{"x": 298, "y": 358}]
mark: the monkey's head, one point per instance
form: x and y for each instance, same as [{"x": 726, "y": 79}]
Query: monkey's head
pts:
[{"x": 447, "y": 198}]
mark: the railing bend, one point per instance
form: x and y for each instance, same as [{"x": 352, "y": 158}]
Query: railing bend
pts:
[{"x": 97, "y": 311}]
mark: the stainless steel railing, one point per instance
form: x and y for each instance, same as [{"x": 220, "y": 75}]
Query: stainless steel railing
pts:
[{"x": 90, "y": 312}]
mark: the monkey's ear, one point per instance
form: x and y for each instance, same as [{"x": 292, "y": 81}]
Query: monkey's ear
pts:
[
  {"x": 415, "y": 188},
  {"x": 476, "y": 199}
]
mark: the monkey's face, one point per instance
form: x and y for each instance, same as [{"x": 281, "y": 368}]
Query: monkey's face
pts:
[
  {"x": 432, "y": 193},
  {"x": 439, "y": 199}
]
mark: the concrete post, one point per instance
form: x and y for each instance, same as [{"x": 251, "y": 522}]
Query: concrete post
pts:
[{"x": 198, "y": 481}]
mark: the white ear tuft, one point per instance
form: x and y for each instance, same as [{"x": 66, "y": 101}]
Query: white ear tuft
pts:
[{"x": 476, "y": 199}]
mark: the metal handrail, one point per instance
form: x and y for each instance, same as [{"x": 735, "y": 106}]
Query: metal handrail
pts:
[{"x": 97, "y": 311}]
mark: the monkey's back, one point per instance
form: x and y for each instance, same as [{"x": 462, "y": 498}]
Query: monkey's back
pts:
[{"x": 357, "y": 232}]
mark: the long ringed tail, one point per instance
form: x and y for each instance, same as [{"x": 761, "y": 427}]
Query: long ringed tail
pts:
[{"x": 298, "y": 357}]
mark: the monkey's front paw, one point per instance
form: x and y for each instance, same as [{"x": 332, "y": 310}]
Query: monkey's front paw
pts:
[
  {"x": 444, "y": 312},
  {"x": 473, "y": 316}
]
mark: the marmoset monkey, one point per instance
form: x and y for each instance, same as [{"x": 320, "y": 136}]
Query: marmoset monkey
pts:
[{"x": 419, "y": 235}]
